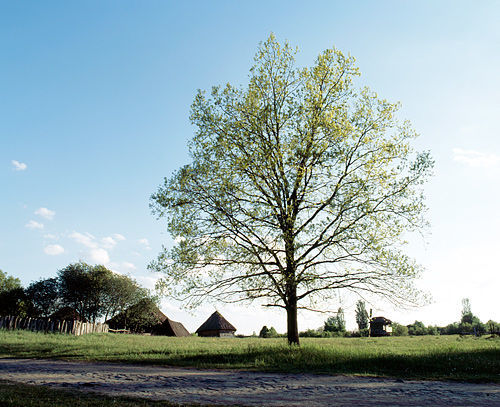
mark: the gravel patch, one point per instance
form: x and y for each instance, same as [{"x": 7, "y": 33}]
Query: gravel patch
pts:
[{"x": 242, "y": 388}]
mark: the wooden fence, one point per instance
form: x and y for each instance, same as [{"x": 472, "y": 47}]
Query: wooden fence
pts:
[{"x": 72, "y": 327}]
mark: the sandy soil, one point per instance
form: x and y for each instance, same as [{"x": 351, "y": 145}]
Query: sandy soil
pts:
[{"x": 229, "y": 387}]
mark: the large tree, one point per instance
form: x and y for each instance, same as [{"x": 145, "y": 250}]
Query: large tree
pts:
[
  {"x": 299, "y": 184},
  {"x": 95, "y": 291}
]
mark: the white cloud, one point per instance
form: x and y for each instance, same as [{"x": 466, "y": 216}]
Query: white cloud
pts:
[
  {"x": 18, "y": 166},
  {"x": 50, "y": 236},
  {"x": 85, "y": 239},
  {"x": 33, "y": 224},
  {"x": 108, "y": 242},
  {"x": 99, "y": 255},
  {"x": 118, "y": 237},
  {"x": 53, "y": 249},
  {"x": 124, "y": 267},
  {"x": 145, "y": 243},
  {"x": 45, "y": 213},
  {"x": 476, "y": 159},
  {"x": 129, "y": 266}
]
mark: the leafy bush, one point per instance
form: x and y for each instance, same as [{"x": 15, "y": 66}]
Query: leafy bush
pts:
[
  {"x": 266, "y": 332},
  {"x": 399, "y": 330}
]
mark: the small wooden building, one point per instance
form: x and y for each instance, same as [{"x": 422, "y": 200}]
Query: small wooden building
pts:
[
  {"x": 170, "y": 328},
  {"x": 216, "y": 325},
  {"x": 380, "y": 326}
]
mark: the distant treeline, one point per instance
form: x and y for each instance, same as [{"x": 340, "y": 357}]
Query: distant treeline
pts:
[
  {"x": 90, "y": 292},
  {"x": 335, "y": 326}
]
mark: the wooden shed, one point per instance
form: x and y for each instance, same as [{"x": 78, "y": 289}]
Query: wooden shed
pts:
[
  {"x": 216, "y": 325},
  {"x": 380, "y": 326},
  {"x": 170, "y": 328}
]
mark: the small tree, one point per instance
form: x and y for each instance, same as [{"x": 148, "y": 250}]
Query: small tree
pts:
[
  {"x": 467, "y": 315},
  {"x": 493, "y": 327},
  {"x": 361, "y": 315},
  {"x": 399, "y": 330},
  {"x": 264, "y": 332},
  {"x": 417, "y": 328},
  {"x": 335, "y": 323}
]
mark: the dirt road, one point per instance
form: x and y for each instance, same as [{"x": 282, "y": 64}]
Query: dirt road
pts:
[{"x": 229, "y": 387}]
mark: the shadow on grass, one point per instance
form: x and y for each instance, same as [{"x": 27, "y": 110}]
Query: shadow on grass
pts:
[
  {"x": 476, "y": 366},
  {"x": 481, "y": 365}
]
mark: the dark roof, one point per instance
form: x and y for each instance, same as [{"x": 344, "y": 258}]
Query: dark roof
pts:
[
  {"x": 154, "y": 317},
  {"x": 170, "y": 328},
  {"x": 381, "y": 320},
  {"x": 216, "y": 322}
]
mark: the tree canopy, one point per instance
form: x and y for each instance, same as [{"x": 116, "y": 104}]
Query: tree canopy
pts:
[
  {"x": 95, "y": 291},
  {"x": 299, "y": 184},
  {"x": 362, "y": 318},
  {"x": 8, "y": 283},
  {"x": 335, "y": 323},
  {"x": 43, "y": 297}
]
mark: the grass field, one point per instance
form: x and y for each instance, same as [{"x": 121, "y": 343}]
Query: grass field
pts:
[{"x": 424, "y": 357}]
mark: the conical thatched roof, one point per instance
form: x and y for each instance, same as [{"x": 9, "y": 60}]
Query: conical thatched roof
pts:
[
  {"x": 141, "y": 317},
  {"x": 170, "y": 328},
  {"x": 216, "y": 322}
]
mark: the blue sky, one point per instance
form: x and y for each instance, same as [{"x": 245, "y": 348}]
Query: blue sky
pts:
[{"x": 94, "y": 106}]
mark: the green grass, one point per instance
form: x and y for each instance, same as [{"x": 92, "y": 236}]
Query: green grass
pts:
[
  {"x": 425, "y": 357},
  {"x": 15, "y": 395}
]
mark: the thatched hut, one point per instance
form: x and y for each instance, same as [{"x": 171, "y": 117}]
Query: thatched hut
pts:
[
  {"x": 170, "y": 328},
  {"x": 142, "y": 317},
  {"x": 380, "y": 326},
  {"x": 216, "y": 325}
]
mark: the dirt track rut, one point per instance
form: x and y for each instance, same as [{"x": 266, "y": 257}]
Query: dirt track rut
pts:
[{"x": 230, "y": 387}]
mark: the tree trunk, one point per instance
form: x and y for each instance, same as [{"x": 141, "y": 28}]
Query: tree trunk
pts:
[{"x": 293, "y": 328}]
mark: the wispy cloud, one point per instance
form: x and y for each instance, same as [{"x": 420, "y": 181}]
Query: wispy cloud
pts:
[
  {"x": 33, "y": 224},
  {"x": 118, "y": 237},
  {"x": 124, "y": 267},
  {"x": 18, "y": 166},
  {"x": 476, "y": 159},
  {"x": 45, "y": 213},
  {"x": 86, "y": 239},
  {"x": 53, "y": 249},
  {"x": 50, "y": 236},
  {"x": 145, "y": 243},
  {"x": 108, "y": 242}
]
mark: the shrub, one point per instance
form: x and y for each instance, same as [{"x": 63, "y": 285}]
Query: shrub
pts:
[{"x": 399, "y": 330}]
